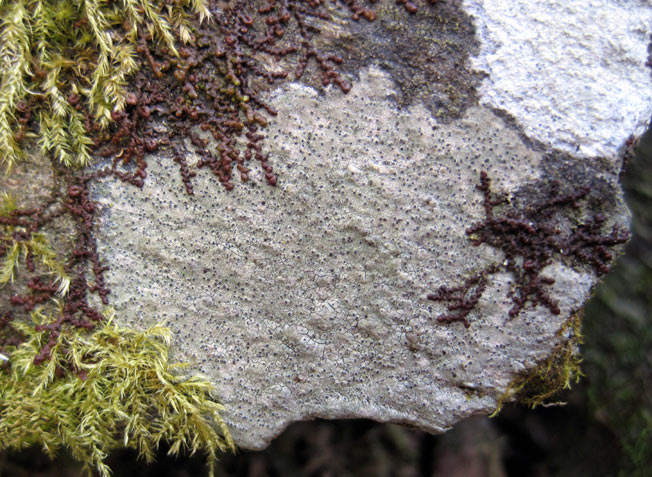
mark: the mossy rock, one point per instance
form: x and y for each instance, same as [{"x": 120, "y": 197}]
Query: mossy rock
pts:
[{"x": 329, "y": 226}]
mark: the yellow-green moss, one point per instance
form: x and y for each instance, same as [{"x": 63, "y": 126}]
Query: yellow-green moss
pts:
[
  {"x": 114, "y": 387},
  {"x": 61, "y": 59},
  {"x": 552, "y": 375}
]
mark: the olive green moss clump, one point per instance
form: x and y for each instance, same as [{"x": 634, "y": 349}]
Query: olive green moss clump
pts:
[
  {"x": 552, "y": 375},
  {"x": 112, "y": 388},
  {"x": 64, "y": 63}
]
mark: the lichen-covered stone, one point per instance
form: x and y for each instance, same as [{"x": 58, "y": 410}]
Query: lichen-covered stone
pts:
[{"x": 310, "y": 299}]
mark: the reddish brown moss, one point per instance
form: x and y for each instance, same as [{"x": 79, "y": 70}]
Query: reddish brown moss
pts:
[
  {"x": 216, "y": 84},
  {"x": 40, "y": 289},
  {"x": 462, "y": 299}
]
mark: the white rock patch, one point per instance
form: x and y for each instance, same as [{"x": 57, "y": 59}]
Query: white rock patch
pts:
[{"x": 572, "y": 72}]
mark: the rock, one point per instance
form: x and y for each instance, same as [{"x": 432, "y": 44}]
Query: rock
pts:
[{"x": 426, "y": 199}]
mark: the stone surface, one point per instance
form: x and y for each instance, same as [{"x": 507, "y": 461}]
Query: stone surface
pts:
[
  {"x": 571, "y": 73},
  {"x": 310, "y": 299}
]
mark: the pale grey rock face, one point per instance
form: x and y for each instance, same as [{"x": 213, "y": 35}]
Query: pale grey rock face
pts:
[{"x": 310, "y": 299}]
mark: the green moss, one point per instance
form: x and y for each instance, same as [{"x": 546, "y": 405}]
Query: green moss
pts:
[
  {"x": 111, "y": 388},
  {"x": 63, "y": 62},
  {"x": 551, "y": 375}
]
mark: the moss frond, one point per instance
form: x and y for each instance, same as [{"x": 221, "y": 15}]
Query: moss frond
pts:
[
  {"x": 80, "y": 143},
  {"x": 9, "y": 263},
  {"x": 40, "y": 248},
  {"x": 15, "y": 59},
  {"x": 158, "y": 23},
  {"x": 112, "y": 388},
  {"x": 553, "y": 374},
  {"x": 7, "y": 204},
  {"x": 54, "y": 51}
]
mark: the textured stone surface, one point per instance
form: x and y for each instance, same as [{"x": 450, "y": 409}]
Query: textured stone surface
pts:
[
  {"x": 571, "y": 73},
  {"x": 309, "y": 299}
]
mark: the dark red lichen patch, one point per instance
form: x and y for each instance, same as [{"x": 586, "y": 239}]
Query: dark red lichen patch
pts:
[
  {"x": 39, "y": 293},
  {"x": 34, "y": 287},
  {"x": 588, "y": 246},
  {"x": 186, "y": 174},
  {"x": 19, "y": 227},
  {"x": 531, "y": 238},
  {"x": 461, "y": 300},
  {"x": 216, "y": 84}
]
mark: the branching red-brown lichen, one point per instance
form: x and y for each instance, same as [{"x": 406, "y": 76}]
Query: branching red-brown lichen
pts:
[
  {"x": 83, "y": 258},
  {"x": 462, "y": 299},
  {"x": 215, "y": 84},
  {"x": 530, "y": 239}
]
